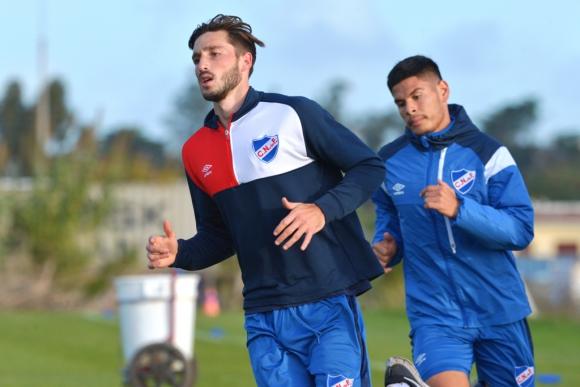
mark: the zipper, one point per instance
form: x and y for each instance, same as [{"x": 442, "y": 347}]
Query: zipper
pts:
[
  {"x": 447, "y": 222},
  {"x": 451, "y": 241},
  {"x": 227, "y": 134}
]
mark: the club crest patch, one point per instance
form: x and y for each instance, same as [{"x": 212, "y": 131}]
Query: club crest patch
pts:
[
  {"x": 463, "y": 180},
  {"x": 524, "y": 376},
  {"x": 266, "y": 148},
  {"x": 339, "y": 381}
]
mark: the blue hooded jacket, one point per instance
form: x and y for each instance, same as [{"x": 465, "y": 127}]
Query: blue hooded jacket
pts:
[{"x": 458, "y": 272}]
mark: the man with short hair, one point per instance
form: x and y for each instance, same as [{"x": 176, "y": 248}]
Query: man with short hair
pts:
[
  {"x": 276, "y": 180},
  {"x": 453, "y": 206}
]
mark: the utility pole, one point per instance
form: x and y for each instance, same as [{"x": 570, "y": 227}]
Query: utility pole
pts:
[{"x": 42, "y": 116}]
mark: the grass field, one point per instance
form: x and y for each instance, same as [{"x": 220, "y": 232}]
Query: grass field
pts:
[{"x": 65, "y": 349}]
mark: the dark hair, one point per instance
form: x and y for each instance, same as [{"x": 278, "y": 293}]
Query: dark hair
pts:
[
  {"x": 410, "y": 67},
  {"x": 239, "y": 34}
]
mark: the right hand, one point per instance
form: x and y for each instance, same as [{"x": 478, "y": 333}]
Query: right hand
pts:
[
  {"x": 162, "y": 249},
  {"x": 385, "y": 250}
]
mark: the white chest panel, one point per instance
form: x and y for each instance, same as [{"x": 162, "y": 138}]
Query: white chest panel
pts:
[{"x": 267, "y": 141}]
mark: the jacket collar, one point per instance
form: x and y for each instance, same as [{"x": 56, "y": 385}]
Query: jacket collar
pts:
[
  {"x": 460, "y": 125},
  {"x": 250, "y": 101}
]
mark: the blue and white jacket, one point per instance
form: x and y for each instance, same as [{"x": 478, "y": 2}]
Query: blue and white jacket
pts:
[
  {"x": 458, "y": 272},
  {"x": 278, "y": 146}
]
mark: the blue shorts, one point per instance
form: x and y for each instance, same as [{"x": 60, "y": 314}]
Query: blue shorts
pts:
[
  {"x": 503, "y": 354},
  {"x": 318, "y": 344}
]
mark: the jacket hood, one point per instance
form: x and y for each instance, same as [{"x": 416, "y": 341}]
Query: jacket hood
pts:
[{"x": 459, "y": 127}]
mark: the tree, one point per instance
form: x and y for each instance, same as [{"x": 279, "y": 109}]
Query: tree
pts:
[
  {"x": 61, "y": 118},
  {"x": 333, "y": 101},
  {"x": 54, "y": 226},
  {"x": 128, "y": 155},
  {"x": 131, "y": 141},
  {"x": 567, "y": 144},
  {"x": 511, "y": 123},
  {"x": 188, "y": 114},
  {"x": 554, "y": 174},
  {"x": 379, "y": 128},
  {"x": 17, "y": 131},
  {"x": 17, "y": 126}
]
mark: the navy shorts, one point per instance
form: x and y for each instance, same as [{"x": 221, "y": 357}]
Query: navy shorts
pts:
[
  {"x": 318, "y": 344},
  {"x": 503, "y": 354}
]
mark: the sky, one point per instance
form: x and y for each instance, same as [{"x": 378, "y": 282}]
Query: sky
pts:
[{"x": 124, "y": 62}]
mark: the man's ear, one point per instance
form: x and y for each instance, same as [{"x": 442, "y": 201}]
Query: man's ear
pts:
[
  {"x": 247, "y": 61},
  {"x": 444, "y": 90}
]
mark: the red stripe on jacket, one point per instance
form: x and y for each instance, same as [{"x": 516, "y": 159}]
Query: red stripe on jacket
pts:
[{"x": 207, "y": 158}]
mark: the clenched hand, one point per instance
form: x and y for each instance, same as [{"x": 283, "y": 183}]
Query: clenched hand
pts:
[
  {"x": 162, "y": 249},
  {"x": 385, "y": 250},
  {"x": 441, "y": 198}
]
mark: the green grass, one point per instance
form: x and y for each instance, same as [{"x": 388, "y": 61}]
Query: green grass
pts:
[{"x": 67, "y": 349}]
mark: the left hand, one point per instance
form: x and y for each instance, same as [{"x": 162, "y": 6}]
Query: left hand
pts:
[
  {"x": 441, "y": 198},
  {"x": 304, "y": 219}
]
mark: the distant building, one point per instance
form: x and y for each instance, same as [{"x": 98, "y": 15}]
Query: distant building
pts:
[
  {"x": 140, "y": 210},
  {"x": 550, "y": 266},
  {"x": 557, "y": 230}
]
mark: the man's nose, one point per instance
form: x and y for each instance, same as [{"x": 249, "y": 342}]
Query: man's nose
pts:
[
  {"x": 410, "y": 108},
  {"x": 202, "y": 64}
]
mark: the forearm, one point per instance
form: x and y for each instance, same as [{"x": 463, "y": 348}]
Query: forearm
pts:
[
  {"x": 201, "y": 251},
  {"x": 502, "y": 229},
  {"x": 354, "y": 189}
]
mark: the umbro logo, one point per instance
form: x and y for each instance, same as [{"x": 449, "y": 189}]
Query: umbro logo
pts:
[
  {"x": 420, "y": 359},
  {"x": 398, "y": 189},
  {"x": 206, "y": 170}
]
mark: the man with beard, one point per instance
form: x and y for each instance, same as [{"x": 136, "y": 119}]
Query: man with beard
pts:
[{"x": 276, "y": 180}]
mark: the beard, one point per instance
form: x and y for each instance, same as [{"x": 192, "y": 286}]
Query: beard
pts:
[{"x": 230, "y": 80}]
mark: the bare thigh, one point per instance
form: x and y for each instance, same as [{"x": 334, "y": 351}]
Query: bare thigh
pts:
[{"x": 449, "y": 379}]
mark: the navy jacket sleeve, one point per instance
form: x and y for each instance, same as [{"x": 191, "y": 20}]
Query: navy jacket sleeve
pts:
[
  {"x": 212, "y": 243},
  {"x": 507, "y": 221},
  {"x": 330, "y": 142}
]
